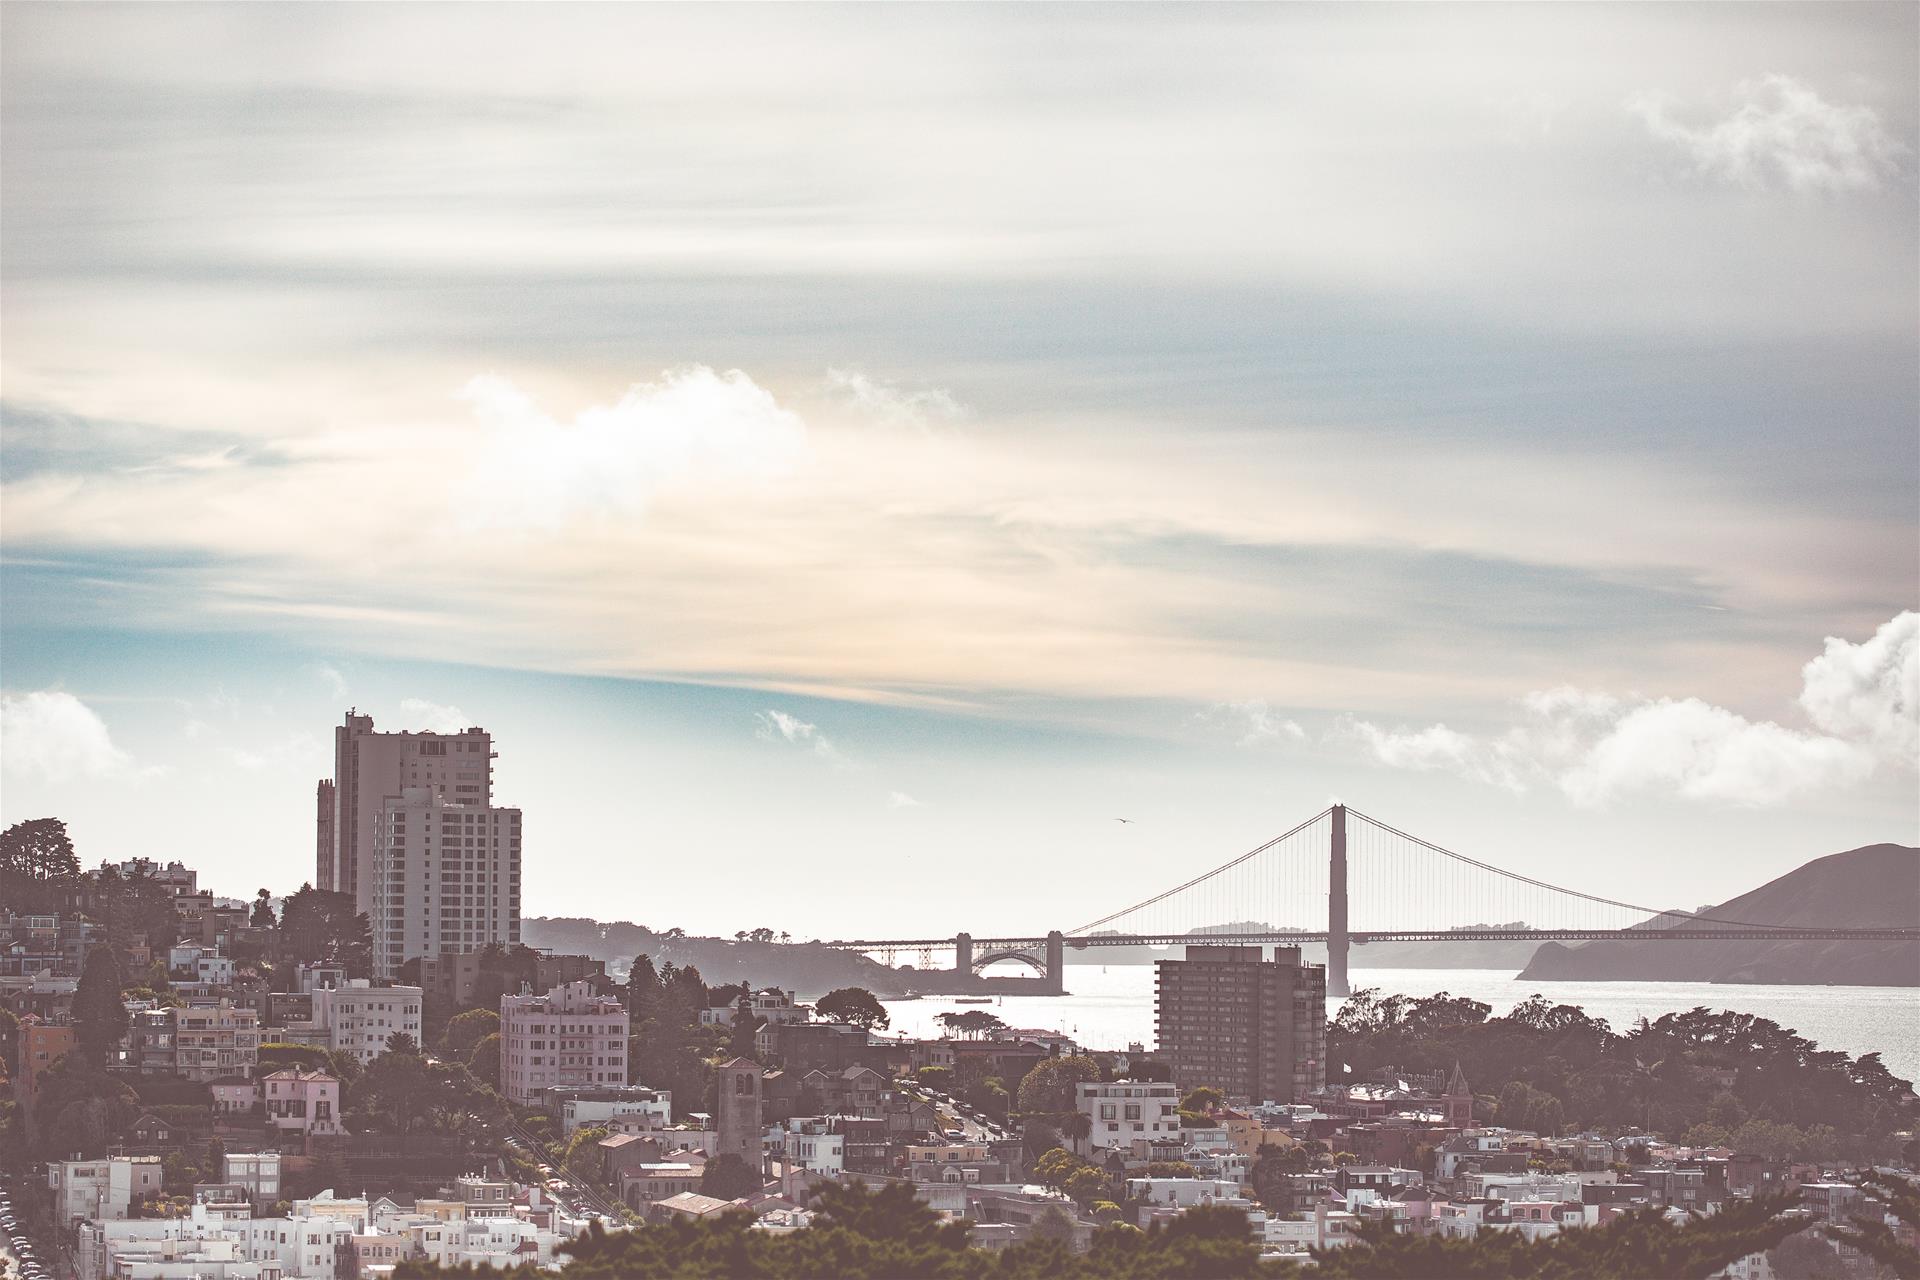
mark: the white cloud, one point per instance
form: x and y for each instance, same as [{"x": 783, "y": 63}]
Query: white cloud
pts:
[
  {"x": 694, "y": 428},
  {"x": 778, "y": 726},
  {"x": 1253, "y": 722},
  {"x": 1863, "y": 700},
  {"x": 430, "y": 717},
  {"x": 1782, "y": 134},
  {"x": 1871, "y": 691},
  {"x": 1703, "y": 752},
  {"x": 889, "y": 405},
  {"x": 54, "y": 736},
  {"x": 901, "y": 800}
]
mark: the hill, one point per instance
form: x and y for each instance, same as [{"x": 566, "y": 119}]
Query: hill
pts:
[
  {"x": 1874, "y": 886},
  {"x": 808, "y": 968}
]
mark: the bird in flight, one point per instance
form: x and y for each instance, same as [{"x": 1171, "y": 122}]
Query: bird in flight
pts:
[{"x": 1126, "y": 820}]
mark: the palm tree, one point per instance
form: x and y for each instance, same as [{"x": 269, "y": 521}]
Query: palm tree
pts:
[{"x": 1078, "y": 1126}]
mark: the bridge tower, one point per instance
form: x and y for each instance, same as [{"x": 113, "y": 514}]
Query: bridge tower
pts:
[
  {"x": 1337, "y": 906},
  {"x": 963, "y": 953}
]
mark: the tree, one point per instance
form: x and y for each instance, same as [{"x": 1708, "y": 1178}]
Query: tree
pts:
[
  {"x": 465, "y": 1030},
  {"x": 940, "y": 1078},
  {"x": 318, "y": 924},
  {"x": 80, "y": 1108},
  {"x": 643, "y": 990},
  {"x": 98, "y": 1012},
  {"x": 1203, "y": 1101},
  {"x": 728, "y": 1177},
  {"x": 36, "y": 862},
  {"x": 1087, "y": 1184},
  {"x": 1078, "y": 1127},
  {"x": 1889, "y": 1195},
  {"x": 1054, "y": 1224},
  {"x": 403, "y": 1044},
  {"x": 746, "y": 1024},
  {"x": 262, "y": 917},
  {"x": 1048, "y": 1089},
  {"x": 582, "y": 1154},
  {"x": 132, "y": 909},
  {"x": 1056, "y": 1165},
  {"x": 1640, "y": 1245},
  {"x": 853, "y": 1005},
  {"x": 484, "y": 1061}
]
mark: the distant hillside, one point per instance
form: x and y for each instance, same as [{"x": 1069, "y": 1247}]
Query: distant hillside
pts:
[
  {"x": 806, "y": 967},
  {"x": 1876, "y": 886}
]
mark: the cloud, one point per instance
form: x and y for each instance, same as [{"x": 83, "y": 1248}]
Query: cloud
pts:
[
  {"x": 1870, "y": 692},
  {"x": 778, "y": 726},
  {"x": 56, "y": 737},
  {"x": 890, "y": 406},
  {"x": 430, "y": 717},
  {"x": 1782, "y": 134},
  {"x": 1253, "y": 722},
  {"x": 692, "y": 429},
  {"x": 329, "y": 675},
  {"x": 901, "y": 800},
  {"x": 1068, "y": 559},
  {"x": 1863, "y": 700}
]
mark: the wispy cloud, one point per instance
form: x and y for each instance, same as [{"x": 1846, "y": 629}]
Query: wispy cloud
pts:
[
  {"x": 892, "y": 406},
  {"x": 329, "y": 676},
  {"x": 901, "y": 800},
  {"x": 52, "y": 736},
  {"x": 1783, "y": 134},
  {"x": 431, "y": 717},
  {"x": 1253, "y": 723},
  {"x": 1863, "y": 700},
  {"x": 778, "y": 726}
]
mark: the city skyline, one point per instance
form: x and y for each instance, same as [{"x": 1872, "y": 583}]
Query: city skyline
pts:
[{"x": 881, "y": 493}]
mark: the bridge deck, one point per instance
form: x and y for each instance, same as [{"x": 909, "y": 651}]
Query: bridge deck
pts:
[{"x": 1694, "y": 934}]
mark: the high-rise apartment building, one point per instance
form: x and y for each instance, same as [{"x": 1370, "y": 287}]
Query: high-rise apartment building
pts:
[
  {"x": 367, "y": 768},
  {"x": 569, "y": 1036},
  {"x": 445, "y": 878},
  {"x": 1256, "y": 1029}
]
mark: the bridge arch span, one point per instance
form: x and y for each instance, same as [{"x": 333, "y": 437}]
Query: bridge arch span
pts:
[{"x": 1033, "y": 962}]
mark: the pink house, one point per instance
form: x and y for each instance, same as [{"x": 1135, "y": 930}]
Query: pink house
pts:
[{"x": 306, "y": 1101}]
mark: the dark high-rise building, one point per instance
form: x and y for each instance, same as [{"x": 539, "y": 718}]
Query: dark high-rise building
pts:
[
  {"x": 323, "y": 831},
  {"x": 1253, "y": 1028}
]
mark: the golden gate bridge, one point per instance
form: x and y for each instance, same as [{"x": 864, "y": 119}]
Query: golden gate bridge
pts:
[{"x": 1346, "y": 879}]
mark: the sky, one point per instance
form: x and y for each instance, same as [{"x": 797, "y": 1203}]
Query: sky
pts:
[{"x": 850, "y": 456}]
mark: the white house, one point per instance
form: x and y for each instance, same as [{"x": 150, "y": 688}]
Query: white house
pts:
[
  {"x": 1123, "y": 1110},
  {"x": 106, "y": 1188}
]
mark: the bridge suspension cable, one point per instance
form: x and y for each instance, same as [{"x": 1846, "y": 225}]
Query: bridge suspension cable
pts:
[
  {"x": 1553, "y": 888},
  {"x": 1205, "y": 875}
]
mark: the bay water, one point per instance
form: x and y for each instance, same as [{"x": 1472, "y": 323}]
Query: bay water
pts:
[{"x": 1111, "y": 1006}]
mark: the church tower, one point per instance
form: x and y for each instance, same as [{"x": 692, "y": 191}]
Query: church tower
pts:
[
  {"x": 1459, "y": 1100},
  {"x": 740, "y": 1130}
]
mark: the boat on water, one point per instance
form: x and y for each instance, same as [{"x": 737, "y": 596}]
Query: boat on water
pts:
[{"x": 973, "y": 999}]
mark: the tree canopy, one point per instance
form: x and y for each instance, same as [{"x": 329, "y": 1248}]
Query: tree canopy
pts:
[
  {"x": 1699, "y": 1075},
  {"x": 884, "y": 1234},
  {"x": 855, "y": 1005},
  {"x": 99, "y": 1014},
  {"x": 1048, "y": 1089}
]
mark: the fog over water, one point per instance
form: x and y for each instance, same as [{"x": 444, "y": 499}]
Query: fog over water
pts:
[{"x": 1112, "y": 1006}]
